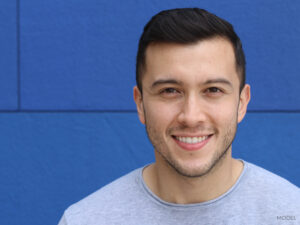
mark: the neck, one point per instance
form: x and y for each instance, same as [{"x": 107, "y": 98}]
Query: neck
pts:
[{"x": 170, "y": 186}]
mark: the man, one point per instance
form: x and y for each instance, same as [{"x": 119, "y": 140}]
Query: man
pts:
[{"x": 191, "y": 94}]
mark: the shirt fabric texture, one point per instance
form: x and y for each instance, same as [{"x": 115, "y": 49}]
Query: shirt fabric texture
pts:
[{"x": 258, "y": 197}]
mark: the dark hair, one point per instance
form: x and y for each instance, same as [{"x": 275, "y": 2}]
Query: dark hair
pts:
[{"x": 187, "y": 26}]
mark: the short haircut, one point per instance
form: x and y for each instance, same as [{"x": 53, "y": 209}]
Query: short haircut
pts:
[{"x": 187, "y": 26}]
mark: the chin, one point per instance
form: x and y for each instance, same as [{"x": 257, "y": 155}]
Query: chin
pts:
[
  {"x": 192, "y": 172},
  {"x": 196, "y": 167}
]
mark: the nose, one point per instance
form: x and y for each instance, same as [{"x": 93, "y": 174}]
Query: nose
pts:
[{"x": 193, "y": 111}]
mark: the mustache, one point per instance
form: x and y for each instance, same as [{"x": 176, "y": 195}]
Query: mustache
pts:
[{"x": 198, "y": 129}]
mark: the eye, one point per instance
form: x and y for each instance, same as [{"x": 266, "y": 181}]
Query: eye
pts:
[
  {"x": 169, "y": 91},
  {"x": 213, "y": 90}
]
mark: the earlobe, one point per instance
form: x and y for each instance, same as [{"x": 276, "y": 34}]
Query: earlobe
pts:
[
  {"x": 244, "y": 100},
  {"x": 138, "y": 98}
]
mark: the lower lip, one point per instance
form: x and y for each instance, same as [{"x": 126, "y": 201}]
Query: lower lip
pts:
[{"x": 192, "y": 147}]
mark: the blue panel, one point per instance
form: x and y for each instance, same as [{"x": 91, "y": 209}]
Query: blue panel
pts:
[
  {"x": 81, "y": 54},
  {"x": 77, "y": 54},
  {"x": 49, "y": 161},
  {"x": 269, "y": 31},
  {"x": 270, "y": 140},
  {"x": 8, "y": 55}
]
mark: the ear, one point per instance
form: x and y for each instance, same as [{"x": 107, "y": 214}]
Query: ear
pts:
[
  {"x": 138, "y": 98},
  {"x": 244, "y": 100}
]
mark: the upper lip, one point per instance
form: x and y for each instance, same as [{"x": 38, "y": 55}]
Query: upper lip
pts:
[{"x": 190, "y": 135}]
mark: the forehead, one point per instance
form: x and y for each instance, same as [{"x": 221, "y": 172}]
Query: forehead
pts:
[{"x": 207, "y": 59}]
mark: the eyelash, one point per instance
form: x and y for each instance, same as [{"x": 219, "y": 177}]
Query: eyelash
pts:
[
  {"x": 211, "y": 91},
  {"x": 217, "y": 90},
  {"x": 169, "y": 90}
]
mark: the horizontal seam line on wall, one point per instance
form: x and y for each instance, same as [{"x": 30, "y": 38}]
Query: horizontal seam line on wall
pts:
[
  {"x": 125, "y": 111},
  {"x": 67, "y": 111}
]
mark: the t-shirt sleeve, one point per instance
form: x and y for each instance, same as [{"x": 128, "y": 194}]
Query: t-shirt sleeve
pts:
[{"x": 63, "y": 221}]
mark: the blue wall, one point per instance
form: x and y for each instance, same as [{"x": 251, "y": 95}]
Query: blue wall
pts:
[{"x": 67, "y": 119}]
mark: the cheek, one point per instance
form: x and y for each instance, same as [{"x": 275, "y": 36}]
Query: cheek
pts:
[
  {"x": 225, "y": 115},
  {"x": 161, "y": 114}
]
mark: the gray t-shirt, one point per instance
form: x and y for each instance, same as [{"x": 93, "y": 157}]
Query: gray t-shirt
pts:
[{"x": 258, "y": 197}]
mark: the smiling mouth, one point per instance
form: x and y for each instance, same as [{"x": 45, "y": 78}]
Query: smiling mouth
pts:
[
  {"x": 189, "y": 143},
  {"x": 191, "y": 140}
]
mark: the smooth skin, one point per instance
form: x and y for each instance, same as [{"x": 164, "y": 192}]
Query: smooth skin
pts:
[{"x": 191, "y": 91}]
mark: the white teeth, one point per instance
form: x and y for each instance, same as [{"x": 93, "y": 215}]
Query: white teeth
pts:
[{"x": 192, "y": 140}]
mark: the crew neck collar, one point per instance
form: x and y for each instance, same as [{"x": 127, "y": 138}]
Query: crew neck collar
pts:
[{"x": 158, "y": 200}]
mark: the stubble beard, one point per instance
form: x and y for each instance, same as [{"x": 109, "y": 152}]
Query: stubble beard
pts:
[{"x": 161, "y": 148}]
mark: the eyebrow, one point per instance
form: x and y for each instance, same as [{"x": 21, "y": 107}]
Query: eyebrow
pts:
[
  {"x": 172, "y": 81},
  {"x": 219, "y": 80},
  {"x": 166, "y": 81}
]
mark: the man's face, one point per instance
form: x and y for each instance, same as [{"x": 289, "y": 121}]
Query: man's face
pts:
[{"x": 191, "y": 103}]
